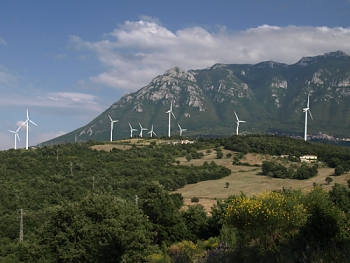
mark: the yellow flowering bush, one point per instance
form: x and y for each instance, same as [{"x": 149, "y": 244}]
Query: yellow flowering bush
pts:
[{"x": 267, "y": 216}]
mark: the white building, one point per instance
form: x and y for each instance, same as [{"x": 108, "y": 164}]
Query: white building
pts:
[{"x": 308, "y": 158}]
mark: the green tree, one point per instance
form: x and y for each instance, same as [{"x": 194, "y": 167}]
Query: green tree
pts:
[
  {"x": 325, "y": 220},
  {"x": 329, "y": 179},
  {"x": 196, "y": 221},
  {"x": 167, "y": 223},
  {"x": 100, "y": 228},
  {"x": 188, "y": 157},
  {"x": 339, "y": 170},
  {"x": 219, "y": 154},
  {"x": 340, "y": 195}
]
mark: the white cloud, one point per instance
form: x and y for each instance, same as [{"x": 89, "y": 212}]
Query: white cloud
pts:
[
  {"x": 43, "y": 137},
  {"x": 66, "y": 100},
  {"x": 60, "y": 56},
  {"x": 7, "y": 79},
  {"x": 2, "y": 42},
  {"x": 7, "y": 141},
  {"x": 136, "y": 52}
]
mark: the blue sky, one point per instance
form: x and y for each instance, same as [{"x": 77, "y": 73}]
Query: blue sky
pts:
[{"x": 67, "y": 61}]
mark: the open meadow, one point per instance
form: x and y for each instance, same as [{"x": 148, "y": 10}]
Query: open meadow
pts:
[{"x": 246, "y": 179}]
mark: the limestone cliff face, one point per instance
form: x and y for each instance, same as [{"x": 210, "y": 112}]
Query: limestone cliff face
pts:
[{"x": 173, "y": 85}]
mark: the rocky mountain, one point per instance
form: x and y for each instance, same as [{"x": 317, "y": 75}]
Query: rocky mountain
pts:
[{"x": 269, "y": 96}]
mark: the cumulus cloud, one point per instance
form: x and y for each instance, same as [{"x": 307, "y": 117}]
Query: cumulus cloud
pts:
[{"x": 136, "y": 52}]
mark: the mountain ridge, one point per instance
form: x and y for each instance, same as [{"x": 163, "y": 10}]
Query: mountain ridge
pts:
[{"x": 269, "y": 95}]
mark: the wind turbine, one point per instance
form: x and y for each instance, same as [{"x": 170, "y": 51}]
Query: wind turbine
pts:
[
  {"x": 238, "y": 121},
  {"x": 152, "y": 132},
  {"x": 27, "y": 122},
  {"x": 170, "y": 112},
  {"x": 307, "y": 109},
  {"x": 131, "y": 130},
  {"x": 16, "y": 135},
  {"x": 142, "y": 129},
  {"x": 112, "y": 122},
  {"x": 181, "y": 130}
]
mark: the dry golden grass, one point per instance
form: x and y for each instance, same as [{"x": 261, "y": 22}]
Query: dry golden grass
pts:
[
  {"x": 126, "y": 144},
  {"x": 110, "y": 146},
  {"x": 246, "y": 179}
]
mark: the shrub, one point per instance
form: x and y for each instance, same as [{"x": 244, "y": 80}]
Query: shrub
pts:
[
  {"x": 194, "y": 199},
  {"x": 266, "y": 218},
  {"x": 188, "y": 157},
  {"x": 329, "y": 179},
  {"x": 219, "y": 154}
]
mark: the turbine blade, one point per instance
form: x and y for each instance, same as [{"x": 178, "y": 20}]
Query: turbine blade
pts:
[
  {"x": 18, "y": 136},
  {"x": 110, "y": 118},
  {"x": 130, "y": 126},
  {"x": 12, "y": 131},
  {"x": 310, "y": 114},
  {"x": 173, "y": 115},
  {"x": 33, "y": 122},
  {"x": 236, "y": 116}
]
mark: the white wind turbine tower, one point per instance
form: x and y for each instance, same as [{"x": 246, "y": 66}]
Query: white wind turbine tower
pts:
[
  {"x": 131, "y": 130},
  {"x": 181, "y": 130},
  {"x": 238, "y": 121},
  {"x": 142, "y": 129},
  {"x": 307, "y": 109},
  {"x": 170, "y": 112},
  {"x": 152, "y": 132},
  {"x": 112, "y": 123},
  {"x": 27, "y": 122},
  {"x": 16, "y": 135}
]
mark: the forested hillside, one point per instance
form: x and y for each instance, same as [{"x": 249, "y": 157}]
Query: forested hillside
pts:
[{"x": 85, "y": 205}]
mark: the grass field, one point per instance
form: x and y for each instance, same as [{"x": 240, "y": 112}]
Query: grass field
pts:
[{"x": 246, "y": 179}]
